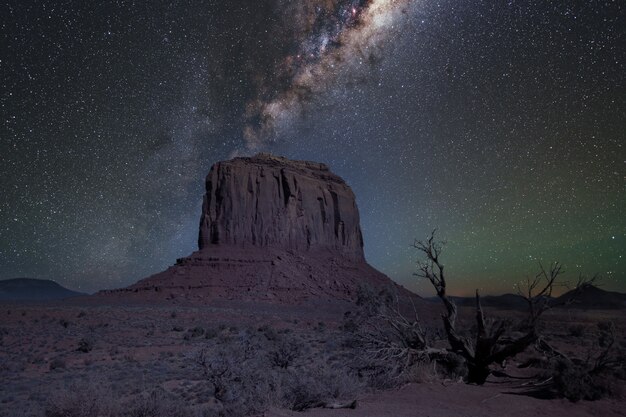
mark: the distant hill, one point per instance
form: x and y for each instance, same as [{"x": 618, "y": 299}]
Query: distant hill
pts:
[
  {"x": 594, "y": 298},
  {"x": 30, "y": 289},
  {"x": 590, "y": 298},
  {"x": 504, "y": 301}
]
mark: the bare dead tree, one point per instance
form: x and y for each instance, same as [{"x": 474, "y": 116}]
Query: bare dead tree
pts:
[
  {"x": 490, "y": 344},
  {"x": 538, "y": 291},
  {"x": 391, "y": 334}
]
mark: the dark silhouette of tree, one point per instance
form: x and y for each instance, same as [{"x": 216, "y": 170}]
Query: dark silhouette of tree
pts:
[{"x": 493, "y": 342}]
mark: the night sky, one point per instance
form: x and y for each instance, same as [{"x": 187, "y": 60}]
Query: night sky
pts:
[{"x": 502, "y": 123}]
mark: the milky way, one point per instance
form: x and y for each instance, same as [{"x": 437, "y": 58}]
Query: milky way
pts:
[{"x": 336, "y": 38}]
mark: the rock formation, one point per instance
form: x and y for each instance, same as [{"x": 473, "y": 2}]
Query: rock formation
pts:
[
  {"x": 269, "y": 201},
  {"x": 271, "y": 229}
]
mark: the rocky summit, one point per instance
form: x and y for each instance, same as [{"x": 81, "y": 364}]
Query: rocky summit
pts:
[{"x": 271, "y": 229}]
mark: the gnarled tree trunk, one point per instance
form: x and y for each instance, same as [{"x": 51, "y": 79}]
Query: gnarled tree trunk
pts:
[{"x": 489, "y": 346}]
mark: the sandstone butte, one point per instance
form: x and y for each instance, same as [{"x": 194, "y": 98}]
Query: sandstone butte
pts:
[{"x": 271, "y": 229}]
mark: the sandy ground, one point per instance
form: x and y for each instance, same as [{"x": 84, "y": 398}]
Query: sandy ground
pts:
[
  {"x": 139, "y": 347},
  {"x": 461, "y": 400}
]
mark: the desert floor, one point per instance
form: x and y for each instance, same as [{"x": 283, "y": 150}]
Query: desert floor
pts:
[{"x": 119, "y": 355}]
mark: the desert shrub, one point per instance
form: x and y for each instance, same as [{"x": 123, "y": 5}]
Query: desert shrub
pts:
[
  {"x": 64, "y": 323},
  {"x": 177, "y": 329},
  {"x": 568, "y": 381},
  {"x": 352, "y": 342},
  {"x": 389, "y": 367},
  {"x": 37, "y": 359},
  {"x": 424, "y": 372},
  {"x": 81, "y": 314},
  {"x": 350, "y": 325},
  {"x": 240, "y": 378},
  {"x": 85, "y": 345},
  {"x": 574, "y": 382},
  {"x": 377, "y": 373},
  {"x": 301, "y": 391},
  {"x": 86, "y": 399},
  {"x": 57, "y": 364},
  {"x": 89, "y": 399},
  {"x": 247, "y": 373},
  {"x": 269, "y": 332},
  {"x": 388, "y": 341},
  {"x": 452, "y": 366},
  {"x": 597, "y": 376},
  {"x": 576, "y": 330},
  {"x": 197, "y": 331},
  {"x": 313, "y": 386},
  {"x": 156, "y": 404},
  {"x": 605, "y": 333},
  {"x": 194, "y": 333},
  {"x": 210, "y": 333},
  {"x": 284, "y": 354}
]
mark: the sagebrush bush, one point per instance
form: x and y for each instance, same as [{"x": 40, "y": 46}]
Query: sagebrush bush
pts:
[
  {"x": 85, "y": 399},
  {"x": 453, "y": 366},
  {"x": 194, "y": 333},
  {"x": 210, "y": 333},
  {"x": 57, "y": 364},
  {"x": 576, "y": 330},
  {"x": 575, "y": 382},
  {"x": 246, "y": 381},
  {"x": 310, "y": 387},
  {"x": 95, "y": 399},
  {"x": 157, "y": 404},
  {"x": 85, "y": 345},
  {"x": 241, "y": 379},
  {"x": 269, "y": 332},
  {"x": 284, "y": 354}
]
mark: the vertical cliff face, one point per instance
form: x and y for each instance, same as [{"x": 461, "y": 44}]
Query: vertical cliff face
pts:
[{"x": 268, "y": 201}]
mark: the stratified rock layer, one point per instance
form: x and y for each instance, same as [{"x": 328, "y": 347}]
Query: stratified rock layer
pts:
[
  {"x": 269, "y": 201},
  {"x": 272, "y": 230},
  {"x": 260, "y": 274}
]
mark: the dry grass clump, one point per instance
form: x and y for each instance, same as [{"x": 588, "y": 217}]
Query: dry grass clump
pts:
[
  {"x": 601, "y": 373},
  {"x": 94, "y": 399},
  {"x": 57, "y": 363},
  {"x": 84, "y": 399},
  {"x": 252, "y": 371}
]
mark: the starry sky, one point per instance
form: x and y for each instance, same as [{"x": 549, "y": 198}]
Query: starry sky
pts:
[{"x": 501, "y": 123}]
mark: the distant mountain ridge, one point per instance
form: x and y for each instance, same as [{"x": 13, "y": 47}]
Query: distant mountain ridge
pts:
[
  {"x": 590, "y": 297},
  {"x": 32, "y": 289},
  {"x": 594, "y": 298},
  {"x": 504, "y": 301}
]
